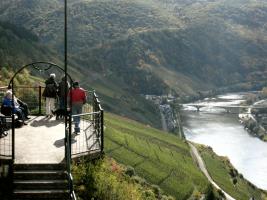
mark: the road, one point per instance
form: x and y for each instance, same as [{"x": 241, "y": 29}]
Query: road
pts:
[{"x": 203, "y": 168}]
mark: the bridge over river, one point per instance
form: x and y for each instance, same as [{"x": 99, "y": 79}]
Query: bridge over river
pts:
[{"x": 228, "y": 108}]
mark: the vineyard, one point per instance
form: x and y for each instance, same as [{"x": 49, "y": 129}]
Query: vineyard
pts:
[
  {"x": 162, "y": 159},
  {"x": 227, "y": 177}
]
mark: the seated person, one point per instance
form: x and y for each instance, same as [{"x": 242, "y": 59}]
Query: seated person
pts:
[{"x": 20, "y": 108}]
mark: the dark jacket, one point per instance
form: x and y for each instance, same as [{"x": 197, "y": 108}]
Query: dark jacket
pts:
[
  {"x": 61, "y": 89},
  {"x": 51, "y": 88}
]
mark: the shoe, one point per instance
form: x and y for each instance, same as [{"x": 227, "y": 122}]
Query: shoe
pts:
[
  {"x": 27, "y": 117},
  {"x": 77, "y": 133},
  {"x": 25, "y": 123}
]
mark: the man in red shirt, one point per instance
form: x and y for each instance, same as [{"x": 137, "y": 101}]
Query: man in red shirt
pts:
[{"x": 78, "y": 99}]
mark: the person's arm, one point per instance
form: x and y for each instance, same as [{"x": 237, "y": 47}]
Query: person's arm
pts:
[
  {"x": 84, "y": 97},
  {"x": 68, "y": 97},
  {"x": 20, "y": 102}
]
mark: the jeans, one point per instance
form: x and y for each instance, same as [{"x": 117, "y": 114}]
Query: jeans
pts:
[
  {"x": 77, "y": 109},
  {"x": 20, "y": 113},
  {"x": 62, "y": 102}
]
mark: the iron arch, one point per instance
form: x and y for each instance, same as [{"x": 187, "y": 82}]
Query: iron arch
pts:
[{"x": 35, "y": 65}]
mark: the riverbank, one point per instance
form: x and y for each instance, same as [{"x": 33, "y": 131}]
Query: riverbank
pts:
[
  {"x": 197, "y": 157},
  {"x": 227, "y": 177},
  {"x": 255, "y": 120},
  {"x": 223, "y": 132}
]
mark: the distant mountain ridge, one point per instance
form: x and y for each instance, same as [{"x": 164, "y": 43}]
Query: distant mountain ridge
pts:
[{"x": 129, "y": 48}]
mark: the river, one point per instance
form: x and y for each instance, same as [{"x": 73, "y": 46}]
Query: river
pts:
[{"x": 227, "y": 137}]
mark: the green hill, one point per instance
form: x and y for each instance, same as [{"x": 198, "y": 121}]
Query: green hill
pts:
[
  {"x": 227, "y": 177},
  {"x": 162, "y": 45},
  {"x": 19, "y": 47},
  {"x": 160, "y": 158},
  {"x": 126, "y": 48}
]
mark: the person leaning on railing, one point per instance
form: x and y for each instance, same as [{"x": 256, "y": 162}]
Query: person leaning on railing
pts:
[{"x": 77, "y": 96}]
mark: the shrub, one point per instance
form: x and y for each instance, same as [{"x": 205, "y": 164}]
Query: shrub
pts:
[
  {"x": 234, "y": 181},
  {"x": 139, "y": 180},
  {"x": 130, "y": 171},
  {"x": 148, "y": 195},
  {"x": 221, "y": 193},
  {"x": 156, "y": 189},
  {"x": 103, "y": 180}
]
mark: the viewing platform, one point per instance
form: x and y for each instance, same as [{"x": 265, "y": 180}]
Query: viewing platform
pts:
[
  {"x": 36, "y": 158},
  {"x": 42, "y": 141}
]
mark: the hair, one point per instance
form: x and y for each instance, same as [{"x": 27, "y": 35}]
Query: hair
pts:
[
  {"x": 8, "y": 92},
  {"x": 53, "y": 75},
  {"x": 75, "y": 84}
]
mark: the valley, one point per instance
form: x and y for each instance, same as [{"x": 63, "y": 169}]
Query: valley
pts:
[{"x": 147, "y": 59}]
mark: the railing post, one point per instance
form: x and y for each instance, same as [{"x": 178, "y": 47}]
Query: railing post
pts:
[
  {"x": 40, "y": 100},
  {"x": 94, "y": 108},
  {"x": 102, "y": 130},
  {"x": 69, "y": 131},
  {"x": 13, "y": 138}
]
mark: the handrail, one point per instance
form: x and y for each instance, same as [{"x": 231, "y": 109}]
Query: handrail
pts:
[
  {"x": 83, "y": 114},
  {"x": 94, "y": 128}
]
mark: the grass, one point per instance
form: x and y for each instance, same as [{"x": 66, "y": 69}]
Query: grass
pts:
[
  {"x": 265, "y": 138},
  {"x": 228, "y": 178},
  {"x": 162, "y": 159},
  {"x": 106, "y": 179}
]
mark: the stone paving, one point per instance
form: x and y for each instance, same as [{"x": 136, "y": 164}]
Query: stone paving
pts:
[{"x": 42, "y": 141}]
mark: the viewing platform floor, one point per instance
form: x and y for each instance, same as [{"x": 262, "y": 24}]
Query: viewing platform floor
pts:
[{"x": 42, "y": 141}]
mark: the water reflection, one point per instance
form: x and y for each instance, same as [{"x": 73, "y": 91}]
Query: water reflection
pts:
[{"x": 227, "y": 137}]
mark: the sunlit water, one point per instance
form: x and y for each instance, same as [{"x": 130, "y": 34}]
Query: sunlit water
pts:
[{"x": 227, "y": 137}]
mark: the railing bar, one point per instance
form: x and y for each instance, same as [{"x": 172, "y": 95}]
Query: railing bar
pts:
[
  {"x": 88, "y": 127},
  {"x": 92, "y": 113}
]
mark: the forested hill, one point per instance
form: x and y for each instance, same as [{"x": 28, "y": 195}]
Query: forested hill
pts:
[
  {"x": 19, "y": 46},
  {"x": 137, "y": 47}
]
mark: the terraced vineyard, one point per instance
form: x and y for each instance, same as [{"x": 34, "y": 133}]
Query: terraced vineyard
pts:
[
  {"x": 160, "y": 158},
  {"x": 228, "y": 178}
]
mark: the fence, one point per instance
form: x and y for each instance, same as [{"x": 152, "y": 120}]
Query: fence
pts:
[
  {"x": 5, "y": 133},
  {"x": 6, "y": 138},
  {"x": 90, "y": 139}
]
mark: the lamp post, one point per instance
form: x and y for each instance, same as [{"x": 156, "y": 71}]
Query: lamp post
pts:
[{"x": 65, "y": 40}]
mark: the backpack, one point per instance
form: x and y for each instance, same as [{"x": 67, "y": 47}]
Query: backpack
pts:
[{"x": 50, "y": 90}]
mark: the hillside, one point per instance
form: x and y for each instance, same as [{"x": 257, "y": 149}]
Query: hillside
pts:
[
  {"x": 227, "y": 177},
  {"x": 160, "y": 158},
  {"x": 156, "y": 41},
  {"x": 19, "y": 47},
  {"x": 128, "y": 48}
]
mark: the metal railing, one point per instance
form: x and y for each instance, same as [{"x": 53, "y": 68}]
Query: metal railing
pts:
[
  {"x": 6, "y": 133},
  {"x": 92, "y": 119},
  {"x": 6, "y": 138},
  {"x": 90, "y": 139}
]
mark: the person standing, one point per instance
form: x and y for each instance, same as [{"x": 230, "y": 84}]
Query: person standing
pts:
[
  {"x": 50, "y": 94},
  {"x": 77, "y": 96},
  {"x": 62, "y": 93}
]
